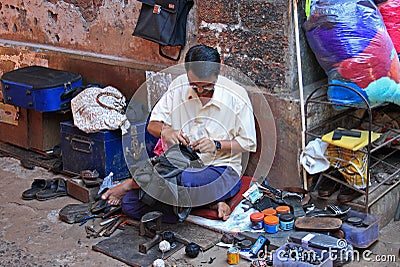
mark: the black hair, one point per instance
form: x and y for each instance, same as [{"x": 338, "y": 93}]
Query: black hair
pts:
[{"x": 204, "y": 54}]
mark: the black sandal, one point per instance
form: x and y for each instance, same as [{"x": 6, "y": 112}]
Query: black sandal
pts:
[{"x": 37, "y": 185}]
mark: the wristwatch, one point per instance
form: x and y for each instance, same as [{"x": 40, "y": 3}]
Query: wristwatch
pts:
[{"x": 217, "y": 145}]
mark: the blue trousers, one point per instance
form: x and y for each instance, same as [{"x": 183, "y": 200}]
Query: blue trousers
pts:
[{"x": 207, "y": 185}]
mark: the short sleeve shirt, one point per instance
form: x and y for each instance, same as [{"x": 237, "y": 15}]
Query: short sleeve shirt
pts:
[{"x": 227, "y": 116}]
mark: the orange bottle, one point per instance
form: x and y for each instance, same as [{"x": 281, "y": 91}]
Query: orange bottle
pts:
[
  {"x": 269, "y": 211},
  {"x": 282, "y": 210}
]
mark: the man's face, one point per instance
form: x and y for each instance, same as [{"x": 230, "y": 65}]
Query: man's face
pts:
[{"x": 203, "y": 87}]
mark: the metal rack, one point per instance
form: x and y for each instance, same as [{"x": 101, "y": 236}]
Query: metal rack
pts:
[{"x": 346, "y": 112}]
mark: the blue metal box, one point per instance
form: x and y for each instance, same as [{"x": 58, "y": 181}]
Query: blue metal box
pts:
[
  {"x": 39, "y": 88},
  {"x": 100, "y": 151},
  {"x": 105, "y": 151}
]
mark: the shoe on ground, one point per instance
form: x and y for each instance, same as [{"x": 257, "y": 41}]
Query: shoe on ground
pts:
[
  {"x": 58, "y": 188},
  {"x": 36, "y": 186},
  {"x": 347, "y": 194},
  {"x": 327, "y": 187}
]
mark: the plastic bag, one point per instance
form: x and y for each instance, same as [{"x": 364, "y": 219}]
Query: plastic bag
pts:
[
  {"x": 390, "y": 10},
  {"x": 352, "y": 45},
  {"x": 96, "y": 109}
]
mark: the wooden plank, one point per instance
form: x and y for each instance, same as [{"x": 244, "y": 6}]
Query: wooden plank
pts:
[
  {"x": 205, "y": 238},
  {"x": 41, "y": 160},
  {"x": 124, "y": 246},
  {"x": 318, "y": 224}
]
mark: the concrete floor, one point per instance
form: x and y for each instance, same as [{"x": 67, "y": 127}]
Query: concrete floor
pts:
[{"x": 32, "y": 234}]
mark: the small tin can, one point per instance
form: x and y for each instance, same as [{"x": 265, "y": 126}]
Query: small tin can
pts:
[
  {"x": 269, "y": 211},
  {"x": 271, "y": 224},
  {"x": 282, "y": 210},
  {"x": 233, "y": 256},
  {"x": 256, "y": 219},
  {"x": 286, "y": 221}
]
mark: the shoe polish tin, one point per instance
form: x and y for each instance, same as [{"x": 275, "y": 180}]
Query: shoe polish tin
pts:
[
  {"x": 245, "y": 244},
  {"x": 271, "y": 224},
  {"x": 256, "y": 219},
  {"x": 269, "y": 211},
  {"x": 286, "y": 221},
  {"x": 282, "y": 210},
  {"x": 233, "y": 256}
]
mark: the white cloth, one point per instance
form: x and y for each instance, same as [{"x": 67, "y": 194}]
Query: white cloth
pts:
[
  {"x": 227, "y": 116},
  {"x": 313, "y": 156}
]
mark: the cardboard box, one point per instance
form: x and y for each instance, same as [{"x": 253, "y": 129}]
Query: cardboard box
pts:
[
  {"x": 44, "y": 129},
  {"x": 16, "y": 133}
]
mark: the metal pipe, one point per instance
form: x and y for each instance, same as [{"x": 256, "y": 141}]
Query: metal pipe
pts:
[
  {"x": 84, "y": 55},
  {"x": 301, "y": 89}
]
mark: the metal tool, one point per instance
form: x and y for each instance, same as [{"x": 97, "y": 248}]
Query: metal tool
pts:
[
  {"x": 150, "y": 225},
  {"x": 338, "y": 133},
  {"x": 107, "y": 227},
  {"x": 111, "y": 229},
  {"x": 112, "y": 211},
  {"x": 87, "y": 218},
  {"x": 102, "y": 223},
  {"x": 147, "y": 227}
]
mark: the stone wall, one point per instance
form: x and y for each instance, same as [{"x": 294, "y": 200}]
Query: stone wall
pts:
[
  {"x": 251, "y": 38},
  {"x": 102, "y": 27}
]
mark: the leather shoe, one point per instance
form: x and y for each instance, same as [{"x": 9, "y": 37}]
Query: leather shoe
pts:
[
  {"x": 346, "y": 194},
  {"x": 327, "y": 187}
]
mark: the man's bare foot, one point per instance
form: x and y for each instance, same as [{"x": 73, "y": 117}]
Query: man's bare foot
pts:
[
  {"x": 223, "y": 210},
  {"x": 114, "y": 195}
]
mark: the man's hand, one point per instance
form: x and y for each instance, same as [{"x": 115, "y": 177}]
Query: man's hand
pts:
[
  {"x": 172, "y": 136},
  {"x": 204, "y": 145}
]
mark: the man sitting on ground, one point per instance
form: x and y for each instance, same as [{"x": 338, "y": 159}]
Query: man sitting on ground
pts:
[{"x": 214, "y": 116}]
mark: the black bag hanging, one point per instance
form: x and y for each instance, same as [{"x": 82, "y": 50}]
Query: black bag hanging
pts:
[{"x": 164, "y": 22}]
